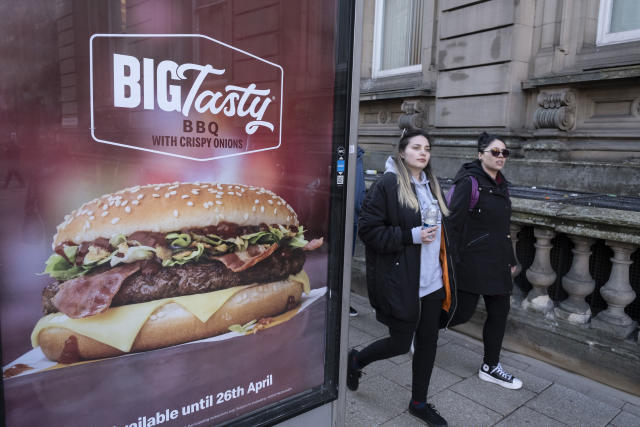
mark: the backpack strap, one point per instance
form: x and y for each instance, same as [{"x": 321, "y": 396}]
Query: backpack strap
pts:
[{"x": 475, "y": 193}]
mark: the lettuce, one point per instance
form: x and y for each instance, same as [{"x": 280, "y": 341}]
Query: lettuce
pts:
[
  {"x": 183, "y": 257},
  {"x": 61, "y": 269},
  {"x": 183, "y": 248},
  {"x": 134, "y": 253}
]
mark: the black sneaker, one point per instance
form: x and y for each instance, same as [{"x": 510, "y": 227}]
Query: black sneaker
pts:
[
  {"x": 353, "y": 371},
  {"x": 352, "y": 312},
  {"x": 428, "y": 414},
  {"x": 495, "y": 374}
]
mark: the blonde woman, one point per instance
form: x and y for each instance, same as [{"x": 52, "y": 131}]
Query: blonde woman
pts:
[{"x": 409, "y": 284}]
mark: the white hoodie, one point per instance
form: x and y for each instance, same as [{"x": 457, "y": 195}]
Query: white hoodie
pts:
[{"x": 430, "y": 269}]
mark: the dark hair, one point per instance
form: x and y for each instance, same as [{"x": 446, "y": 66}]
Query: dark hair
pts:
[
  {"x": 407, "y": 134},
  {"x": 485, "y": 139}
]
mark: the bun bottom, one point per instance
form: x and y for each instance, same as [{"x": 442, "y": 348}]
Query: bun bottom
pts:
[{"x": 171, "y": 324}]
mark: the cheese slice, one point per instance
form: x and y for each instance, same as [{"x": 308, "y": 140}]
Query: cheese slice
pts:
[
  {"x": 119, "y": 326},
  {"x": 302, "y": 277}
]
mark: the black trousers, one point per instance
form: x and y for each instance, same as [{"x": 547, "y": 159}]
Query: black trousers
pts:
[
  {"x": 425, "y": 345},
  {"x": 494, "y": 327}
]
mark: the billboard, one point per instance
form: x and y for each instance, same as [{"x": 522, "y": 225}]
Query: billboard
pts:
[{"x": 172, "y": 210}]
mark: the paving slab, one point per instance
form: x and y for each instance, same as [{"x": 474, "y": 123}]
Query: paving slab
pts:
[
  {"x": 360, "y": 303},
  {"x": 359, "y": 339},
  {"x": 440, "y": 379},
  {"x": 404, "y": 420},
  {"x": 403, "y": 358},
  {"x": 458, "y": 360},
  {"x": 464, "y": 341},
  {"x": 625, "y": 419},
  {"x": 375, "y": 402},
  {"x": 443, "y": 339},
  {"x": 506, "y": 358},
  {"x": 526, "y": 417},
  {"x": 492, "y": 396},
  {"x": 550, "y": 396},
  {"x": 378, "y": 367},
  {"x": 586, "y": 386},
  {"x": 572, "y": 407},
  {"x": 530, "y": 381},
  {"x": 463, "y": 412},
  {"x": 369, "y": 325},
  {"x": 635, "y": 410}
]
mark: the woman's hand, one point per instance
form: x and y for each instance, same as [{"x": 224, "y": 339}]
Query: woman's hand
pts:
[
  {"x": 513, "y": 268},
  {"x": 428, "y": 235}
]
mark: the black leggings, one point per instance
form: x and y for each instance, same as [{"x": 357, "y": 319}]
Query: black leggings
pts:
[
  {"x": 399, "y": 342},
  {"x": 493, "y": 331}
]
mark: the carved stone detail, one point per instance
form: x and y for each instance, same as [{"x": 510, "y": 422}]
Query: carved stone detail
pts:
[
  {"x": 578, "y": 283},
  {"x": 383, "y": 117},
  {"x": 414, "y": 114},
  {"x": 618, "y": 294},
  {"x": 557, "y": 110},
  {"x": 540, "y": 274},
  {"x": 635, "y": 107}
]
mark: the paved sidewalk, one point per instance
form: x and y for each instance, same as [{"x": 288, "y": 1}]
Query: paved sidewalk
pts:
[{"x": 550, "y": 396}]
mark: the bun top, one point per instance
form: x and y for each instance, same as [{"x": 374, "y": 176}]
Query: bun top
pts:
[{"x": 172, "y": 207}]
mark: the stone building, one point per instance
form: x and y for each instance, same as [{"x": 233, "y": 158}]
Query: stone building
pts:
[{"x": 559, "y": 81}]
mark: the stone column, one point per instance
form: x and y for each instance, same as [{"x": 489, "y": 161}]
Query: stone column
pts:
[
  {"x": 540, "y": 274},
  {"x": 578, "y": 283},
  {"x": 514, "y": 229},
  {"x": 618, "y": 294}
]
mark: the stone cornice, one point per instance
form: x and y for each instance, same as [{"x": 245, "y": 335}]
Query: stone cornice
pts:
[{"x": 583, "y": 77}]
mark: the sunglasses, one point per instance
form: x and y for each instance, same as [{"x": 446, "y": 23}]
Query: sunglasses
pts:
[{"x": 495, "y": 152}]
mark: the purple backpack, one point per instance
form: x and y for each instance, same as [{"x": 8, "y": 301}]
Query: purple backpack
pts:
[{"x": 475, "y": 193}]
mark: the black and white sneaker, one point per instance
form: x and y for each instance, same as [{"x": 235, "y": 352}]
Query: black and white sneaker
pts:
[
  {"x": 352, "y": 312},
  {"x": 495, "y": 374}
]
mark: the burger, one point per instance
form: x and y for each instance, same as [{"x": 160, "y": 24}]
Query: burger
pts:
[{"x": 158, "y": 265}]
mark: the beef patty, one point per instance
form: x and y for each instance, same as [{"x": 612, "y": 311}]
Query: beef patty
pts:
[{"x": 154, "y": 282}]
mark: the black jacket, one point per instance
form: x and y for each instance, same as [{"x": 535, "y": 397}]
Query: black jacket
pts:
[
  {"x": 393, "y": 260},
  {"x": 481, "y": 236}
]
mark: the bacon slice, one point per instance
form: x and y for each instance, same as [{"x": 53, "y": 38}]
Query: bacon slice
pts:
[
  {"x": 89, "y": 295},
  {"x": 314, "y": 244},
  {"x": 239, "y": 261}
]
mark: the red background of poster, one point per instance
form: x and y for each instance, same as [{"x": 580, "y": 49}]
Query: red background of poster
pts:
[{"x": 53, "y": 166}]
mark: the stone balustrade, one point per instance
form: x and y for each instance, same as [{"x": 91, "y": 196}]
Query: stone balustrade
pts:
[{"x": 584, "y": 226}]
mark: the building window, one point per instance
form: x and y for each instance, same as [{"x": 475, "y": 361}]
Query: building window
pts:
[
  {"x": 397, "y": 41},
  {"x": 618, "y": 21}
]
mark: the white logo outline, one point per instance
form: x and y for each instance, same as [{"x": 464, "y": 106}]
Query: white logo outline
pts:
[{"x": 102, "y": 141}]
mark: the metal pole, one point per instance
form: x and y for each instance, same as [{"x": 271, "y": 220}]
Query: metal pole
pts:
[{"x": 339, "y": 409}]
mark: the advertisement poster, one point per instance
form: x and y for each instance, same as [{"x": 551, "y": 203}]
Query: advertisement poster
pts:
[{"x": 169, "y": 170}]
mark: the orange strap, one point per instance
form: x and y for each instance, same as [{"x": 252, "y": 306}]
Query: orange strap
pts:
[{"x": 446, "y": 304}]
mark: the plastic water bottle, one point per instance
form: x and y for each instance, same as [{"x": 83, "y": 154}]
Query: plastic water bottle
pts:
[{"x": 430, "y": 215}]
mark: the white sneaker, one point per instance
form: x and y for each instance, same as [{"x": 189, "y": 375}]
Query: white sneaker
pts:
[{"x": 496, "y": 375}]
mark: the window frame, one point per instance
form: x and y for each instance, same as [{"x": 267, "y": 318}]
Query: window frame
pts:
[
  {"x": 605, "y": 37},
  {"x": 376, "y": 71}
]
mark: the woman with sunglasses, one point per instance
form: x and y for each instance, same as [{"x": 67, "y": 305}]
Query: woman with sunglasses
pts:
[
  {"x": 480, "y": 233},
  {"x": 406, "y": 267}
]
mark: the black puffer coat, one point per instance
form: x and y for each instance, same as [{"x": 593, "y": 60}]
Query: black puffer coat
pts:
[
  {"x": 393, "y": 260},
  {"x": 481, "y": 236}
]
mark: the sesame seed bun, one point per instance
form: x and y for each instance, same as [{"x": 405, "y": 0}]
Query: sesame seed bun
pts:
[{"x": 165, "y": 208}]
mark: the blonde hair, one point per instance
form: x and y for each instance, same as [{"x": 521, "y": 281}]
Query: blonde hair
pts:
[{"x": 406, "y": 195}]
